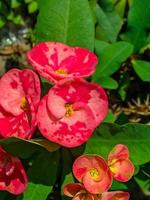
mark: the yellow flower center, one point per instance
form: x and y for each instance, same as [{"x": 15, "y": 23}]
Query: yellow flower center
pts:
[
  {"x": 94, "y": 174},
  {"x": 69, "y": 110},
  {"x": 112, "y": 166},
  {"x": 24, "y": 103},
  {"x": 61, "y": 71}
]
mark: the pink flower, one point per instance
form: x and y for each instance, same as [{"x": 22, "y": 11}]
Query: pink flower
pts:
[
  {"x": 13, "y": 177},
  {"x": 71, "y": 111},
  {"x": 55, "y": 61},
  {"x": 93, "y": 172},
  {"x": 19, "y": 98},
  {"x": 78, "y": 192},
  {"x": 118, "y": 160},
  {"x": 116, "y": 195}
]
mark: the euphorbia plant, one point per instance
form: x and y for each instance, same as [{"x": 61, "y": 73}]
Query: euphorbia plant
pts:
[
  {"x": 95, "y": 176},
  {"x": 68, "y": 115}
]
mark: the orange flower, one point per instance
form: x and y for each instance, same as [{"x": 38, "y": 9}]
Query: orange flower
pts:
[
  {"x": 118, "y": 160},
  {"x": 93, "y": 172},
  {"x": 78, "y": 192}
]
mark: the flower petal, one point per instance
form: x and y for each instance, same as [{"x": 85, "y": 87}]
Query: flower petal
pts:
[
  {"x": 13, "y": 177},
  {"x": 122, "y": 170},
  {"x": 70, "y": 132},
  {"x": 14, "y": 87},
  {"x": 31, "y": 85},
  {"x": 120, "y": 151},
  {"x": 21, "y": 126},
  {"x": 50, "y": 57},
  {"x": 74, "y": 91},
  {"x": 11, "y": 92},
  {"x": 118, "y": 195},
  {"x": 96, "y": 184},
  {"x": 71, "y": 189}
]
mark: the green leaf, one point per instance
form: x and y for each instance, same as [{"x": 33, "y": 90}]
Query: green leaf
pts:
[
  {"x": 36, "y": 191},
  {"x": 120, "y": 6},
  {"x": 107, "y": 82},
  {"x": 28, "y": 1},
  {"x": 44, "y": 168},
  {"x": 135, "y": 136},
  {"x": 138, "y": 23},
  {"x": 116, "y": 185},
  {"x": 100, "y": 46},
  {"x": 15, "y": 3},
  {"x": 143, "y": 177},
  {"x": 111, "y": 57},
  {"x": 2, "y": 22},
  {"x": 32, "y": 7},
  {"x": 110, "y": 117},
  {"x": 142, "y": 68},
  {"x": 67, "y": 21},
  {"x": 13, "y": 145},
  {"x": 108, "y": 20}
]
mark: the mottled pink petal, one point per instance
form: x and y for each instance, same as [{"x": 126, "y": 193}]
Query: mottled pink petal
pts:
[
  {"x": 120, "y": 151},
  {"x": 18, "y": 104},
  {"x": 117, "y": 195},
  {"x": 74, "y": 91},
  {"x": 122, "y": 170},
  {"x": 70, "y": 132},
  {"x": 13, "y": 177},
  {"x": 21, "y": 126},
  {"x": 31, "y": 85},
  {"x": 93, "y": 172},
  {"x": 55, "y": 61},
  {"x": 14, "y": 87},
  {"x": 71, "y": 189},
  {"x": 11, "y": 92}
]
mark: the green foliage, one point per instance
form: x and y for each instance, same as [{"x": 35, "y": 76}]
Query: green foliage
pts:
[
  {"x": 35, "y": 191},
  {"x": 138, "y": 23},
  {"x": 13, "y": 145},
  {"x": 110, "y": 58},
  {"x": 142, "y": 68},
  {"x": 120, "y": 6},
  {"x": 135, "y": 136},
  {"x": 109, "y": 22},
  {"x": 118, "y": 33},
  {"x": 13, "y": 11},
  {"x": 107, "y": 82},
  {"x": 142, "y": 178},
  {"x": 70, "y": 23}
]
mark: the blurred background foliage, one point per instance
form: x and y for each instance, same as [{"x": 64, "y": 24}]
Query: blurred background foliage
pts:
[{"x": 118, "y": 31}]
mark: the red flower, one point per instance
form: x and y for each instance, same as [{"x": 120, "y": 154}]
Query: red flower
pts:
[
  {"x": 19, "y": 98},
  {"x": 71, "y": 111},
  {"x": 78, "y": 192},
  {"x": 93, "y": 172},
  {"x": 13, "y": 177},
  {"x": 55, "y": 61},
  {"x": 118, "y": 160}
]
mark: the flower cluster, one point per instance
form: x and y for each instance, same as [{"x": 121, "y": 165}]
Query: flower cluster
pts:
[
  {"x": 73, "y": 107},
  {"x": 96, "y": 174},
  {"x": 67, "y": 115}
]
